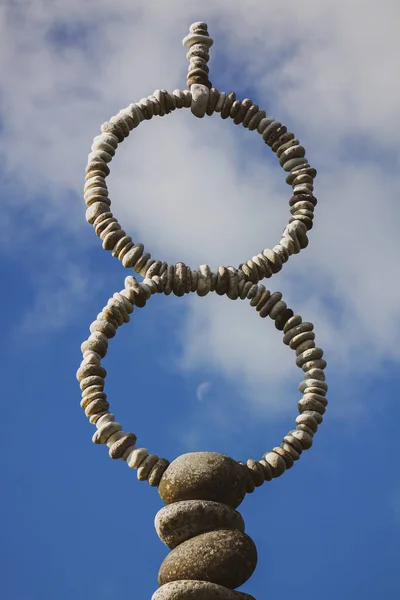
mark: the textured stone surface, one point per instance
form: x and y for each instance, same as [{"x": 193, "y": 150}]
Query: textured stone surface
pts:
[
  {"x": 224, "y": 557},
  {"x": 204, "y": 476},
  {"x": 197, "y": 590},
  {"x": 181, "y": 521}
]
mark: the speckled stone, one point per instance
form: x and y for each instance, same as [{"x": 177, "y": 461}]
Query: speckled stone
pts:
[
  {"x": 204, "y": 476},
  {"x": 146, "y": 466},
  {"x": 157, "y": 472},
  {"x": 197, "y": 590},
  {"x": 118, "y": 449},
  {"x": 256, "y": 472},
  {"x": 225, "y": 557},
  {"x": 182, "y": 521}
]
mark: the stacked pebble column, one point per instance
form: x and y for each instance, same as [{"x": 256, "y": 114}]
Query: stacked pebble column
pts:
[{"x": 210, "y": 553}]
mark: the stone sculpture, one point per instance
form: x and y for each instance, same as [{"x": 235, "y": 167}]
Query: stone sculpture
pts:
[{"x": 210, "y": 555}]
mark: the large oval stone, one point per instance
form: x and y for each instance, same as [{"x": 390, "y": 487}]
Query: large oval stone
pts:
[
  {"x": 197, "y": 590},
  {"x": 225, "y": 557},
  {"x": 204, "y": 476},
  {"x": 183, "y": 520}
]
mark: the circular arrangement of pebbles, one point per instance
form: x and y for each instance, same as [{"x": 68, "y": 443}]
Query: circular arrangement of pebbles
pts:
[
  {"x": 210, "y": 553},
  {"x": 298, "y": 335},
  {"x": 203, "y": 100}
]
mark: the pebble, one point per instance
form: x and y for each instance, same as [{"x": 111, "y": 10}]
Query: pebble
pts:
[
  {"x": 261, "y": 289},
  {"x": 226, "y": 107},
  {"x": 306, "y": 404},
  {"x": 292, "y": 322},
  {"x": 290, "y": 164},
  {"x": 197, "y": 590},
  {"x": 95, "y": 210},
  {"x": 146, "y": 466},
  {"x": 305, "y": 428},
  {"x": 256, "y": 120},
  {"x": 98, "y": 405},
  {"x": 304, "y": 438},
  {"x": 270, "y": 303},
  {"x": 122, "y": 247},
  {"x": 256, "y": 472},
  {"x": 274, "y": 260},
  {"x": 290, "y": 153},
  {"x": 282, "y": 318},
  {"x": 137, "y": 456},
  {"x": 90, "y": 370},
  {"x": 203, "y": 476},
  {"x": 181, "y": 521},
  {"x": 86, "y": 400},
  {"x": 287, "y": 457},
  {"x": 317, "y": 383},
  {"x": 309, "y": 355},
  {"x": 131, "y": 257},
  {"x": 91, "y": 380},
  {"x": 276, "y": 462},
  {"x": 286, "y": 145},
  {"x": 297, "y": 340},
  {"x": 277, "y": 309},
  {"x": 115, "y": 437},
  {"x": 267, "y": 470},
  {"x": 119, "y": 447},
  {"x": 96, "y": 342},
  {"x": 92, "y": 388},
  {"x": 204, "y": 280},
  {"x": 295, "y": 330},
  {"x": 307, "y": 419},
  {"x": 264, "y": 123},
  {"x": 104, "y": 432},
  {"x": 303, "y": 170},
  {"x": 224, "y": 557},
  {"x": 290, "y": 450},
  {"x": 220, "y": 102},
  {"x": 270, "y": 130},
  {"x": 315, "y": 415},
  {"x": 105, "y": 418},
  {"x": 200, "y": 96},
  {"x": 250, "y": 113},
  {"x": 212, "y": 101},
  {"x": 133, "y": 285},
  {"x": 282, "y": 139},
  {"x": 314, "y": 364},
  {"x": 306, "y": 345},
  {"x": 293, "y": 442},
  {"x": 157, "y": 472},
  {"x": 96, "y": 416},
  {"x": 244, "y": 108}
]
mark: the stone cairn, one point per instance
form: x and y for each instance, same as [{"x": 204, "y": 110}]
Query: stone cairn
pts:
[{"x": 210, "y": 554}]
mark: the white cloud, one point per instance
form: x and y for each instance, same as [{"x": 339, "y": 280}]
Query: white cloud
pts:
[{"x": 204, "y": 191}]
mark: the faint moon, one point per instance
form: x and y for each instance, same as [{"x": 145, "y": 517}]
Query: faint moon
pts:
[{"x": 202, "y": 390}]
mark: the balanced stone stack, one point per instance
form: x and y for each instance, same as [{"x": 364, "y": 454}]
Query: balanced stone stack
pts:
[{"x": 211, "y": 555}]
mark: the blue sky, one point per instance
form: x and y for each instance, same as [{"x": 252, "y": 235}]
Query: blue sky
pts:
[{"x": 79, "y": 525}]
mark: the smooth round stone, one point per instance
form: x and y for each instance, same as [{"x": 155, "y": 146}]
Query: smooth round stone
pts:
[
  {"x": 204, "y": 476},
  {"x": 182, "y": 521},
  {"x": 224, "y": 557},
  {"x": 197, "y": 590}
]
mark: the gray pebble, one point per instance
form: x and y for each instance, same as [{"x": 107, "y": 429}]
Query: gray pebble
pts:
[
  {"x": 182, "y": 521},
  {"x": 203, "y": 476},
  {"x": 276, "y": 462},
  {"x": 225, "y": 557},
  {"x": 146, "y": 466},
  {"x": 197, "y": 590}
]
